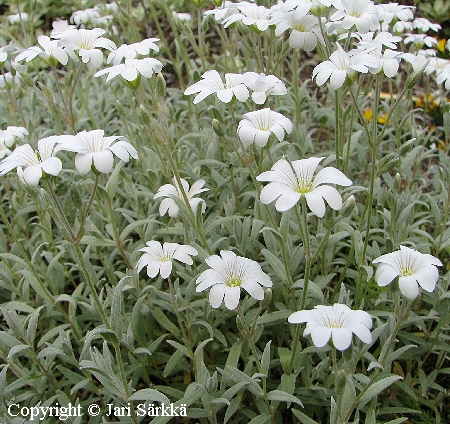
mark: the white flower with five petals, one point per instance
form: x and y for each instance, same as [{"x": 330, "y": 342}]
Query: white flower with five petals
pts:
[
  {"x": 132, "y": 69},
  {"x": 337, "y": 322},
  {"x": 158, "y": 259},
  {"x": 342, "y": 64},
  {"x": 50, "y": 51},
  {"x": 211, "y": 83},
  {"x": 229, "y": 273},
  {"x": 87, "y": 43},
  {"x": 412, "y": 268},
  {"x": 93, "y": 148},
  {"x": 361, "y": 14},
  {"x": 36, "y": 162},
  {"x": 257, "y": 126},
  {"x": 263, "y": 85},
  {"x": 290, "y": 181},
  {"x": 130, "y": 51},
  {"x": 171, "y": 191}
]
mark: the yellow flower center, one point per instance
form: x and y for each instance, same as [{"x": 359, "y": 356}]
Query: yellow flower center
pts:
[
  {"x": 234, "y": 282},
  {"x": 406, "y": 272}
]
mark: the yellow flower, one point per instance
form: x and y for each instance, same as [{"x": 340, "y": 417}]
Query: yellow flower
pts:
[
  {"x": 440, "y": 46},
  {"x": 368, "y": 114}
]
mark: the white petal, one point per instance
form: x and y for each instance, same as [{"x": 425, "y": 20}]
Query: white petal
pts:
[
  {"x": 320, "y": 335},
  {"x": 103, "y": 161},
  {"x": 409, "y": 287},
  {"x": 32, "y": 174},
  {"x": 342, "y": 338},
  {"x": 216, "y": 295},
  {"x": 232, "y": 295}
]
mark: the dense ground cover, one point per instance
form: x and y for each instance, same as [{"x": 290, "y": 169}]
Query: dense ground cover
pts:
[{"x": 239, "y": 210}]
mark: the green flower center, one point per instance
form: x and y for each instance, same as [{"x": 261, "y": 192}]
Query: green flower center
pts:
[
  {"x": 234, "y": 282},
  {"x": 300, "y": 28}
]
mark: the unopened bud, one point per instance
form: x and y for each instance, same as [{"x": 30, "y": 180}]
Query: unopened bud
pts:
[
  {"x": 406, "y": 147},
  {"x": 211, "y": 384},
  {"x": 75, "y": 196},
  {"x": 145, "y": 116},
  {"x": 387, "y": 163},
  {"x": 412, "y": 79},
  {"x": 267, "y": 298},
  {"x": 217, "y": 127},
  {"x": 340, "y": 382},
  {"x": 397, "y": 182},
  {"x": 27, "y": 80},
  {"x": 348, "y": 207},
  {"x": 160, "y": 85},
  {"x": 198, "y": 3}
]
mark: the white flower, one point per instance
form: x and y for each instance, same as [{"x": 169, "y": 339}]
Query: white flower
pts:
[
  {"x": 390, "y": 11},
  {"x": 130, "y": 51},
  {"x": 229, "y": 8},
  {"x": 228, "y": 274},
  {"x": 437, "y": 64},
  {"x": 86, "y": 42},
  {"x": 35, "y": 162},
  {"x": 290, "y": 181},
  {"x": 8, "y": 79},
  {"x": 337, "y": 322},
  {"x": 83, "y": 16},
  {"x": 183, "y": 17},
  {"x": 18, "y": 17},
  {"x": 250, "y": 14},
  {"x": 158, "y": 259},
  {"x": 7, "y": 136},
  {"x": 257, "y": 126},
  {"x": 400, "y": 27},
  {"x": 424, "y": 25},
  {"x": 49, "y": 51},
  {"x": 305, "y": 28},
  {"x": 388, "y": 61},
  {"x": 413, "y": 269},
  {"x": 420, "y": 39},
  {"x": 444, "y": 77},
  {"x": 132, "y": 69},
  {"x": 5, "y": 52},
  {"x": 170, "y": 191},
  {"x": 263, "y": 85},
  {"x": 93, "y": 147},
  {"x": 359, "y": 13},
  {"x": 382, "y": 39},
  {"x": 59, "y": 27},
  {"x": 211, "y": 83},
  {"x": 7, "y": 139},
  {"x": 342, "y": 64}
]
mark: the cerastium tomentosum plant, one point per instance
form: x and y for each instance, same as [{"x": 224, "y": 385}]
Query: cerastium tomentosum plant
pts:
[{"x": 279, "y": 170}]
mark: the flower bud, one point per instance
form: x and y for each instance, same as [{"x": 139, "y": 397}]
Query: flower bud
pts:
[
  {"x": 387, "y": 163},
  {"x": 340, "y": 382},
  {"x": 75, "y": 196},
  {"x": 412, "y": 79},
  {"x": 267, "y": 298},
  {"x": 217, "y": 127},
  {"x": 145, "y": 116},
  {"x": 160, "y": 85},
  {"x": 198, "y": 3},
  {"x": 348, "y": 207},
  {"x": 211, "y": 384},
  {"x": 397, "y": 182},
  {"x": 406, "y": 147},
  {"x": 27, "y": 80}
]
